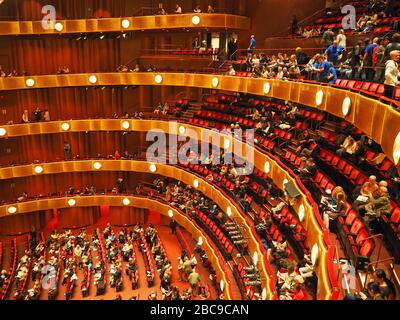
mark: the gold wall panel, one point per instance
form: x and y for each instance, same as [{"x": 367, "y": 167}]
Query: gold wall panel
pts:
[
  {"x": 209, "y": 21},
  {"x": 367, "y": 114}
]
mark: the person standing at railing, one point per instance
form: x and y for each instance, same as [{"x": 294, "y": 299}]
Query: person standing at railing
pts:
[
  {"x": 333, "y": 52},
  {"x": 392, "y": 74},
  {"x": 378, "y": 59},
  {"x": 394, "y": 45},
  {"x": 367, "y": 59},
  {"x": 252, "y": 45}
]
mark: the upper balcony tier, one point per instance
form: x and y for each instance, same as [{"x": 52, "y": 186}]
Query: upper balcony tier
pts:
[
  {"x": 378, "y": 120},
  {"x": 194, "y": 21}
]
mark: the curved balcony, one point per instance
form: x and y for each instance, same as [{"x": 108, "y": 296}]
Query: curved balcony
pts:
[
  {"x": 144, "y": 23},
  {"x": 134, "y": 166},
  {"x": 376, "y": 119},
  {"x": 317, "y": 233},
  {"x": 137, "y": 202}
]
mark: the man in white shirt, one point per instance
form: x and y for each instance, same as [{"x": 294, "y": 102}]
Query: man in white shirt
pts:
[{"x": 392, "y": 74}]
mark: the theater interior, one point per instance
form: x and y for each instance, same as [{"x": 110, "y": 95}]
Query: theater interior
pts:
[{"x": 188, "y": 150}]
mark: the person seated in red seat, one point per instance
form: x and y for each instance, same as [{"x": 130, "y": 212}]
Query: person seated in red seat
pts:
[
  {"x": 335, "y": 209},
  {"x": 117, "y": 155},
  {"x": 309, "y": 170},
  {"x": 298, "y": 293},
  {"x": 362, "y": 194},
  {"x": 377, "y": 205}
]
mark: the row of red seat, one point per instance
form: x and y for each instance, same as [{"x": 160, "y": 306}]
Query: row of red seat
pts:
[
  {"x": 196, "y": 51},
  {"x": 23, "y": 282},
  {"x": 11, "y": 271},
  {"x": 218, "y": 233},
  {"x": 359, "y": 253}
]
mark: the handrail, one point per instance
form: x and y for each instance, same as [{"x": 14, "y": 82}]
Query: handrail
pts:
[{"x": 370, "y": 265}]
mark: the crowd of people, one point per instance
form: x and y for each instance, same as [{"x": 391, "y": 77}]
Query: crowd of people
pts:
[{"x": 372, "y": 60}]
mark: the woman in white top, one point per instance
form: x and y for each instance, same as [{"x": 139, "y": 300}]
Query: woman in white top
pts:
[
  {"x": 341, "y": 39},
  {"x": 392, "y": 74}
]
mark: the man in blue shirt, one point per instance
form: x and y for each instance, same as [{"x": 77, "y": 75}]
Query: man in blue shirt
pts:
[
  {"x": 252, "y": 45},
  {"x": 332, "y": 75},
  {"x": 324, "y": 68},
  {"x": 369, "y": 51},
  {"x": 333, "y": 52}
]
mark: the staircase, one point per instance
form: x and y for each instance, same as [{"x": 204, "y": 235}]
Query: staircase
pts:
[{"x": 189, "y": 114}]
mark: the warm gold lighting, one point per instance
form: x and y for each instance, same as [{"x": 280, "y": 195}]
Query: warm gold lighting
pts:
[
  {"x": 319, "y": 97},
  {"x": 125, "y": 125},
  {"x": 229, "y": 211},
  {"x": 196, "y": 183},
  {"x": 158, "y": 78},
  {"x": 125, "y": 23},
  {"x": 38, "y": 169},
  {"x": 215, "y": 82},
  {"x": 126, "y": 202},
  {"x": 346, "y": 106},
  {"x": 153, "y": 168},
  {"x": 71, "y": 202},
  {"x": 92, "y": 79},
  {"x": 12, "y": 209},
  {"x": 30, "y": 82},
  {"x": 396, "y": 149},
  {"x": 267, "y": 167},
  {"x": 195, "y": 20},
  {"x": 59, "y": 26},
  {"x": 170, "y": 213},
  {"x": 3, "y": 132},
  {"x": 97, "y": 165},
  {"x": 65, "y": 126},
  {"x": 267, "y": 87},
  {"x": 302, "y": 213},
  {"x": 182, "y": 130}
]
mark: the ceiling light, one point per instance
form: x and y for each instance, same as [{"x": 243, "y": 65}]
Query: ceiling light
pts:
[
  {"x": 215, "y": 82},
  {"x": 97, "y": 165},
  {"x": 126, "y": 125},
  {"x": 65, "y": 126},
  {"x": 59, "y": 26},
  {"x": 12, "y": 209},
  {"x": 125, "y": 23},
  {"x": 267, "y": 167},
  {"x": 92, "y": 79},
  {"x": 346, "y": 106},
  {"x": 158, "y": 78},
  {"x": 38, "y": 169},
  {"x": 30, "y": 82},
  {"x": 195, "y": 20},
  {"x": 319, "y": 98},
  {"x": 267, "y": 87}
]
